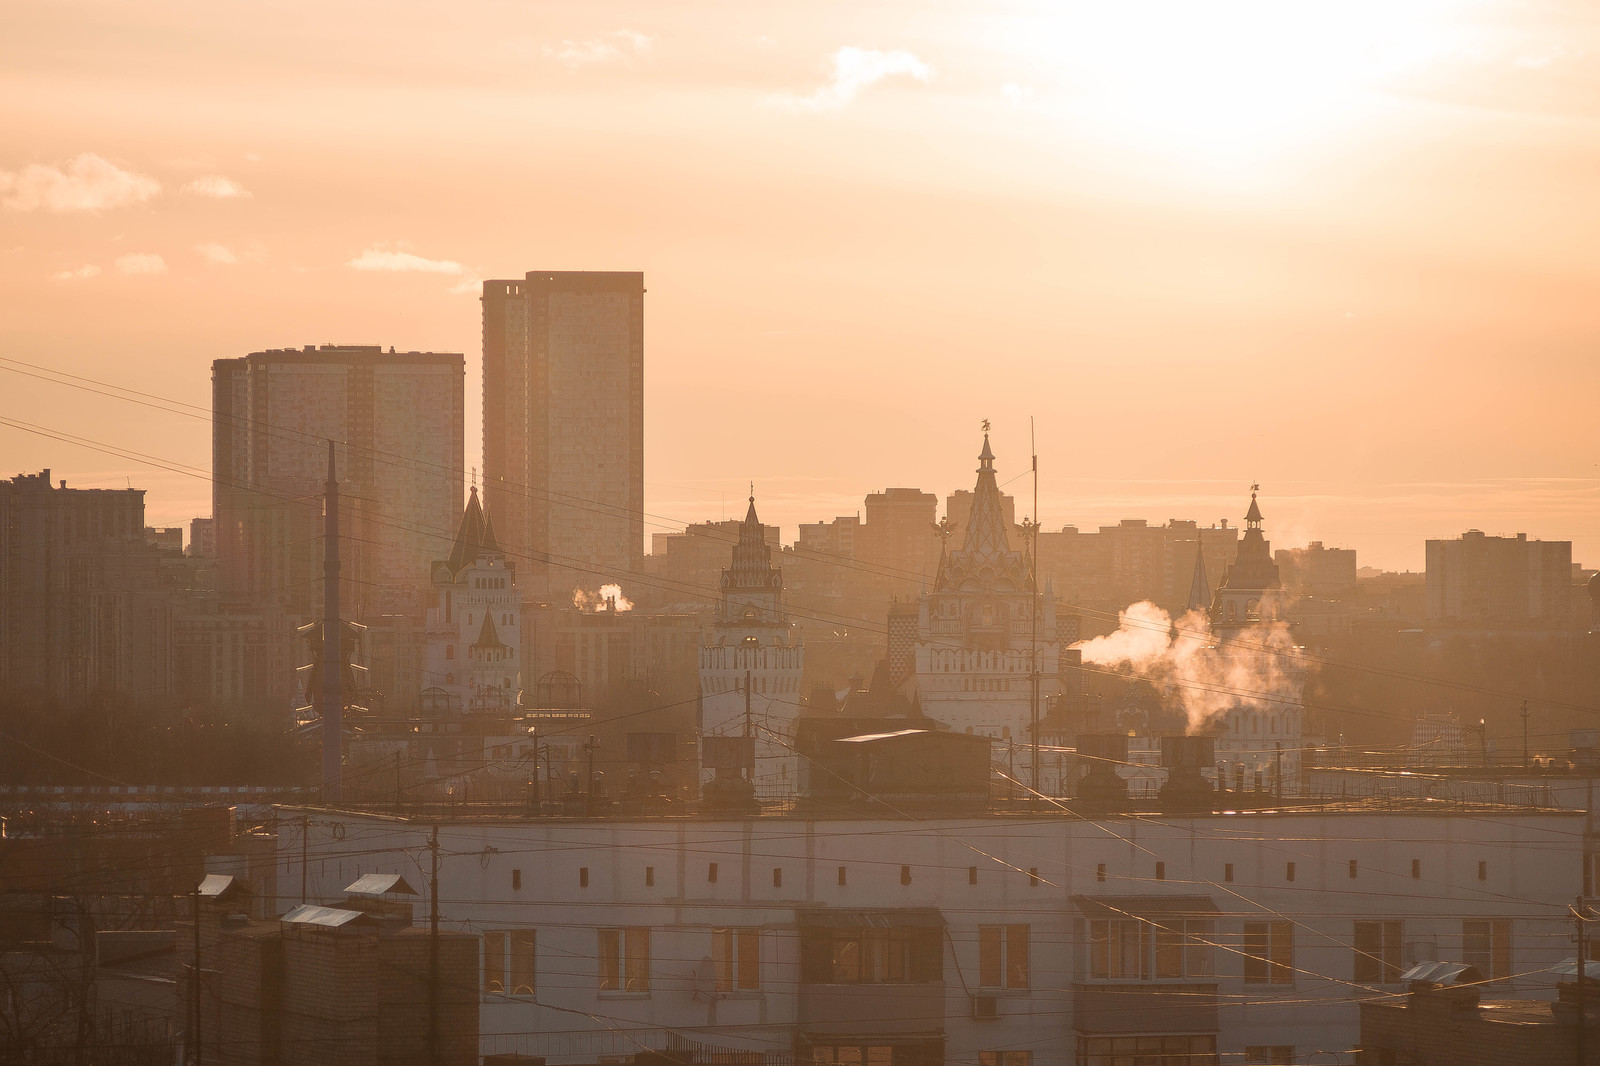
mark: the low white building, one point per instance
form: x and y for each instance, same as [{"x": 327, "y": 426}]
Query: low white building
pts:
[{"x": 1031, "y": 939}]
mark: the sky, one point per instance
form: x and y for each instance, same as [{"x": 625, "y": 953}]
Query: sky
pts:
[{"x": 1348, "y": 250}]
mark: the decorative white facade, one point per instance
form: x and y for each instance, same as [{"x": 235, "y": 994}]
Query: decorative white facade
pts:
[
  {"x": 977, "y": 643},
  {"x": 748, "y": 662},
  {"x": 474, "y": 624}
]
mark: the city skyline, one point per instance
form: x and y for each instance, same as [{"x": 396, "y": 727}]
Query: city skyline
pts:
[{"x": 865, "y": 231}]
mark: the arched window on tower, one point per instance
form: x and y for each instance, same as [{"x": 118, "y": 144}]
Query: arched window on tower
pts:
[{"x": 449, "y": 651}]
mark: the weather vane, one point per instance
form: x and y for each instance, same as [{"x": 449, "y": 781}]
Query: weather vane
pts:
[
  {"x": 986, "y": 425},
  {"x": 1255, "y": 486}
]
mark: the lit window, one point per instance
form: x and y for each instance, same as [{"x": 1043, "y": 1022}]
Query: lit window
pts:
[
  {"x": 1003, "y": 956},
  {"x": 1268, "y": 953},
  {"x": 624, "y": 960},
  {"x": 737, "y": 953}
]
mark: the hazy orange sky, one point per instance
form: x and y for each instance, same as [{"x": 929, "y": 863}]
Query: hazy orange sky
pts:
[{"x": 1347, "y": 249}]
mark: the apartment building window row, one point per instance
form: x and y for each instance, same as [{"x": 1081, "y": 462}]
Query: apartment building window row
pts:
[{"x": 1175, "y": 1050}]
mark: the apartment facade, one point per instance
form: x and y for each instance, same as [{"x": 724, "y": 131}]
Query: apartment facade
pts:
[
  {"x": 1036, "y": 939},
  {"x": 563, "y": 426}
]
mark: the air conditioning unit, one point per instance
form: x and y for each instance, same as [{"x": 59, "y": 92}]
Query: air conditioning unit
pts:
[{"x": 985, "y": 1008}]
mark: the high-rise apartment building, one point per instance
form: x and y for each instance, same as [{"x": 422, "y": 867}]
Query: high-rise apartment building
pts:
[
  {"x": 1499, "y": 581},
  {"x": 397, "y": 420},
  {"x": 86, "y": 604},
  {"x": 563, "y": 426}
]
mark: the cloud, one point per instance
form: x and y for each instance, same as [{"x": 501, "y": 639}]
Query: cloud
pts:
[
  {"x": 87, "y": 183},
  {"x": 88, "y": 270},
  {"x": 141, "y": 263},
  {"x": 467, "y": 285},
  {"x": 219, "y": 254},
  {"x": 855, "y": 69},
  {"x": 384, "y": 259},
  {"x": 216, "y": 187},
  {"x": 614, "y": 47}
]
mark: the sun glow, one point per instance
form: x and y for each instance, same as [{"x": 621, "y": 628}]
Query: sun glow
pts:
[{"x": 1227, "y": 82}]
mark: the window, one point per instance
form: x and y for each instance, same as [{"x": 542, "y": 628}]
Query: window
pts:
[
  {"x": 1033, "y": 875},
  {"x": 516, "y": 880},
  {"x": 649, "y": 876},
  {"x": 711, "y": 873},
  {"x": 737, "y": 953},
  {"x": 1100, "y": 873},
  {"x": 1131, "y": 949},
  {"x": 583, "y": 877},
  {"x": 876, "y": 955},
  {"x": 1268, "y": 953},
  {"x": 899, "y": 1054},
  {"x": 905, "y": 875},
  {"x": 1377, "y": 952},
  {"x": 972, "y": 875},
  {"x": 1352, "y": 869},
  {"x": 1288, "y": 871},
  {"x": 1227, "y": 872},
  {"x": 1161, "y": 871},
  {"x": 1003, "y": 956},
  {"x": 494, "y": 962},
  {"x": 1161, "y": 1050},
  {"x": 508, "y": 961},
  {"x": 1005, "y": 1058},
  {"x": 624, "y": 960},
  {"x": 777, "y": 877},
  {"x": 1416, "y": 869},
  {"x": 1486, "y": 944},
  {"x": 1483, "y": 873},
  {"x": 1269, "y": 1055},
  {"x": 841, "y": 876}
]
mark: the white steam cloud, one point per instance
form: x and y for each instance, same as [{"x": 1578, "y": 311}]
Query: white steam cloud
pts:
[
  {"x": 614, "y": 47},
  {"x": 596, "y": 601},
  {"x": 1206, "y": 677}
]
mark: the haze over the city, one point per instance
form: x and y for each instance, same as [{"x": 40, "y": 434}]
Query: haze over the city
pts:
[{"x": 1345, "y": 250}]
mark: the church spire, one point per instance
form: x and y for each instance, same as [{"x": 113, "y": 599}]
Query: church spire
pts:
[
  {"x": 1252, "y": 517},
  {"x": 986, "y": 525}
]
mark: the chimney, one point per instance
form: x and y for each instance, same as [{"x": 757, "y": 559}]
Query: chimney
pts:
[
  {"x": 1186, "y": 789},
  {"x": 1102, "y": 753}
]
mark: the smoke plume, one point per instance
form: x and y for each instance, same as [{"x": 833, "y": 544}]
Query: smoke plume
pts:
[{"x": 1258, "y": 670}]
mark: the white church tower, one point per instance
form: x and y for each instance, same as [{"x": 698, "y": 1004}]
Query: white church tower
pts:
[
  {"x": 977, "y": 643},
  {"x": 749, "y": 670},
  {"x": 474, "y": 625}
]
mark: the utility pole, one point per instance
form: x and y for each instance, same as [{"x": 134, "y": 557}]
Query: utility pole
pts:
[
  {"x": 1526, "y": 762},
  {"x": 332, "y": 653},
  {"x": 1583, "y": 978},
  {"x": 588, "y": 792},
  {"x": 433, "y": 950},
  {"x": 1033, "y": 611},
  {"x": 195, "y": 974},
  {"x": 749, "y": 734}
]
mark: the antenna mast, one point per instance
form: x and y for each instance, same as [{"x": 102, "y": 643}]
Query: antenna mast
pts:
[{"x": 1033, "y": 612}]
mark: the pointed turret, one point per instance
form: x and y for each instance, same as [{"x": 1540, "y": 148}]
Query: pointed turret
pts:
[
  {"x": 488, "y": 636},
  {"x": 986, "y": 539},
  {"x": 469, "y": 534}
]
